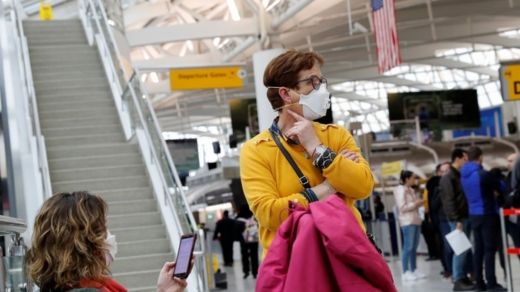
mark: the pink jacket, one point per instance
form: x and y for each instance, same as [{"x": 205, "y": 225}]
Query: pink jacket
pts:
[{"x": 323, "y": 249}]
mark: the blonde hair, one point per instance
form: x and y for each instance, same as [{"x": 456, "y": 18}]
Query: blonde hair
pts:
[{"x": 68, "y": 243}]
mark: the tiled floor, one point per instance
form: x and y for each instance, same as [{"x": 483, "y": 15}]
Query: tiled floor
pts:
[{"x": 433, "y": 283}]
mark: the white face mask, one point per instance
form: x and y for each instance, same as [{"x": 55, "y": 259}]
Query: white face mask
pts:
[
  {"x": 112, "y": 247},
  {"x": 316, "y": 103}
]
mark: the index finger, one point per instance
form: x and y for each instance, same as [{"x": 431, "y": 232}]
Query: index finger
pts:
[{"x": 296, "y": 116}]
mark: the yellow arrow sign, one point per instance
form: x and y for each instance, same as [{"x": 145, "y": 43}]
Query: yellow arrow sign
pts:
[
  {"x": 510, "y": 81},
  {"x": 207, "y": 78}
]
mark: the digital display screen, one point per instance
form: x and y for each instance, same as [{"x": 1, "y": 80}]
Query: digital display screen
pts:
[{"x": 184, "y": 256}]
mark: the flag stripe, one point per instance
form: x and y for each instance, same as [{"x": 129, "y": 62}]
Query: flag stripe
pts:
[{"x": 385, "y": 29}]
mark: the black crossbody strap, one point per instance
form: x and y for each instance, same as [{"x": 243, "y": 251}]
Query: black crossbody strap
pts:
[{"x": 303, "y": 179}]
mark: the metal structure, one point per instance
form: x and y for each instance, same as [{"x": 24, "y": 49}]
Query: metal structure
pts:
[{"x": 12, "y": 266}]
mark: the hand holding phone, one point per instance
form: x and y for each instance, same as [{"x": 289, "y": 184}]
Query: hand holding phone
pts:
[{"x": 184, "y": 256}]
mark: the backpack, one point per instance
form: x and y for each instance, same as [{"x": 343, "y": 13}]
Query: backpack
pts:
[{"x": 250, "y": 233}]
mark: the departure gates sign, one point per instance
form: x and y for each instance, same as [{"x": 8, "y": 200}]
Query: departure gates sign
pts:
[
  {"x": 510, "y": 81},
  {"x": 207, "y": 78}
]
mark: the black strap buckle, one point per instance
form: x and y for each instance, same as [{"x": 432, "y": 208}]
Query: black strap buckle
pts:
[{"x": 304, "y": 180}]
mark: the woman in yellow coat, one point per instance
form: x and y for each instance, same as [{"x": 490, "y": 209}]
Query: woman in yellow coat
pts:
[{"x": 326, "y": 154}]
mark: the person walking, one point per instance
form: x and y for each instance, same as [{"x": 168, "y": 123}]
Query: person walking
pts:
[
  {"x": 248, "y": 242},
  {"x": 225, "y": 233},
  {"x": 407, "y": 205},
  {"x": 480, "y": 188},
  {"x": 455, "y": 207}
]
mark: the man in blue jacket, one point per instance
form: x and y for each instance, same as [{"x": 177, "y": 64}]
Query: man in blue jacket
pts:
[{"x": 481, "y": 191}]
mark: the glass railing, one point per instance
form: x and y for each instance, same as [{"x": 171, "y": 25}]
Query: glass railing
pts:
[
  {"x": 13, "y": 277},
  {"x": 136, "y": 109}
]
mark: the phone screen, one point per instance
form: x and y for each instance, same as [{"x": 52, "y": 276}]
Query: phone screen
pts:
[{"x": 184, "y": 255}]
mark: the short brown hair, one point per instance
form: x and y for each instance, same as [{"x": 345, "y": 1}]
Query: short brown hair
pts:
[
  {"x": 283, "y": 71},
  {"x": 68, "y": 243}
]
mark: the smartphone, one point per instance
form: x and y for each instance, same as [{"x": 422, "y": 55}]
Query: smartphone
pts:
[{"x": 184, "y": 255}]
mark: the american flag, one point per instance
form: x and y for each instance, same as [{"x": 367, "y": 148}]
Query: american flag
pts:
[{"x": 385, "y": 28}]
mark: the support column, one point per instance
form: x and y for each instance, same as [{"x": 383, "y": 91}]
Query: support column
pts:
[{"x": 265, "y": 111}]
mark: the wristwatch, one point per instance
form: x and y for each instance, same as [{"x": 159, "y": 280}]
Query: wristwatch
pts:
[
  {"x": 323, "y": 157},
  {"x": 319, "y": 150}
]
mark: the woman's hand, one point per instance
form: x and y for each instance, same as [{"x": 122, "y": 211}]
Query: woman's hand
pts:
[
  {"x": 166, "y": 281},
  {"x": 350, "y": 155},
  {"x": 303, "y": 129},
  {"x": 324, "y": 190}
]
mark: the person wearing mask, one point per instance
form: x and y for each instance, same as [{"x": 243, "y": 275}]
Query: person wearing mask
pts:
[
  {"x": 440, "y": 223},
  {"x": 325, "y": 158},
  {"x": 225, "y": 233},
  {"x": 70, "y": 251},
  {"x": 455, "y": 207},
  {"x": 480, "y": 188},
  {"x": 408, "y": 204}
]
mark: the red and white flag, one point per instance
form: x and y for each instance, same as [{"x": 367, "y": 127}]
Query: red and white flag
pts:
[{"x": 385, "y": 28}]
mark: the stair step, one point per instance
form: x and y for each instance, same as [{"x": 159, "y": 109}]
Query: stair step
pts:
[
  {"x": 95, "y": 161},
  {"x": 138, "y": 233},
  {"x": 92, "y": 121},
  {"x": 80, "y": 151},
  {"x": 97, "y": 173},
  {"x": 137, "y": 219},
  {"x": 83, "y": 130},
  {"x": 71, "y": 88},
  {"x": 37, "y": 60},
  {"x": 102, "y": 184},
  {"x": 73, "y": 55},
  {"x": 65, "y": 68},
  {"x": 56, "y": 114},
  {"x": 84, "y": 140},
  {"x": 77, "y": 103},
  {"x": 139, "y": 263},
  {"x": 65, "y": 76},
  {"x": 125, "y": 194},
  {"x": 132, "y": 206},
  {"x": 53, "y": 49},
  {"x": 138, "y": 279},
  {"x": 33, "y": 24},
  {"x": 92, "y": 94},
  {"x": 49, "y": 38}
]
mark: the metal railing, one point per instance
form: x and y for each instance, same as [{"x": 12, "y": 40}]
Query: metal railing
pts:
[
  {"x": 140, "y": 122},
  {"x": 16, "y": 14},
  {"x": 12, "y": 267}
]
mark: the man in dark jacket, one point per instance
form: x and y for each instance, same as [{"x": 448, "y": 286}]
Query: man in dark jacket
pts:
[
  {"x": 455, "y": 207},
  {"x": 440, "y": 224},
  {"x": 480, "y": 189},
  {"x": 225, "y": 233}
]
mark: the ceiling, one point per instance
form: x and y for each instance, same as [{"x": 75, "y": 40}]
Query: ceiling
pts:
[{"x": 444, "y": 44}]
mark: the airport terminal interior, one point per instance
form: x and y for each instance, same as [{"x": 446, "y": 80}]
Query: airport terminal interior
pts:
[{"x": 162, "y": 109}]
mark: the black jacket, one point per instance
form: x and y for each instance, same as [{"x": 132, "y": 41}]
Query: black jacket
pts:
[
  {"x": 452, "y": 196},
  {"x": 434, "y": 198}
]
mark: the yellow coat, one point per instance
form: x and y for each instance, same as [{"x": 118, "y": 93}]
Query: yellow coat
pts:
[{"x": 269, "y": 182}]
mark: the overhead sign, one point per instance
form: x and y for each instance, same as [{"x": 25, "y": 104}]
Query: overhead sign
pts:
[
  {"x": 392, "y": 168},
  {"x": 207, "y": 78},
  {"x": 510, "y": 81}
]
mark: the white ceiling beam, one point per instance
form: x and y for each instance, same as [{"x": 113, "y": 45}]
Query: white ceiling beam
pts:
[
  {"x": 188, "y": 61},
  {"x": 453, "y": 64},
  {"x": 192, "y": 31},
  {"x": 144, "y": 12}
]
